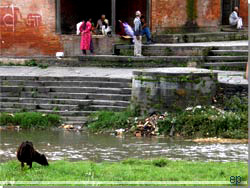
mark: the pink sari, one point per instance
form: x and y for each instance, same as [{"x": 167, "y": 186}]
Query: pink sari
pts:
[{"x": 86, "y": 36}]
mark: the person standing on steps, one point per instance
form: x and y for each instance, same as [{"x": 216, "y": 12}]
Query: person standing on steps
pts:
[
  {"x": 234, "y": 18},
  {"x": 138, "y": 37},
  {"x": 86, "y": 40}
]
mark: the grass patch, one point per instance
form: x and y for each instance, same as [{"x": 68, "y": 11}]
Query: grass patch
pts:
[
  {"x": 30, "y": 120},
  {"x": 130, "y": 170},
  {"x": 107, "y": 120},
  {"x": 205, "y": 122}
]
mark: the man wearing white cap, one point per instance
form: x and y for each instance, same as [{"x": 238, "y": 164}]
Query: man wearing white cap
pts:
[{"x": 138, "y": 37}]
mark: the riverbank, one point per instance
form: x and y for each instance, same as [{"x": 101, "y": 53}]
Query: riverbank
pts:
[
  {"x": 227, "y": 120},
  {"x": 128, "y": 170}
]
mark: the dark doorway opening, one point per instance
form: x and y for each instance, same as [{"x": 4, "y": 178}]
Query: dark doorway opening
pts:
[
  {"x": 74, "y": 11},
  {"x": 227, "y": 8},
  {"x": 125, "y": 10}
]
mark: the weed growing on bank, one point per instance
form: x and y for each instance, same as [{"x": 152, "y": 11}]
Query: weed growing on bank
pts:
[
  {"x": 229, "y": 121},
  {"x": 30, "y": 120}
]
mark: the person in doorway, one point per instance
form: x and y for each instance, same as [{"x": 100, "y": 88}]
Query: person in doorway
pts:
[
  {"x": 86, "y": 40},
  {"x": 146, "y": 30},
  {"x": 235, "y": 20},
  {"x": 102, "y": 26},
  {"x": 138, "y": 37}
]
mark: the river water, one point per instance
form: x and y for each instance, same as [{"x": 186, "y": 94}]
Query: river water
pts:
[{"x": 59, "y": 145}]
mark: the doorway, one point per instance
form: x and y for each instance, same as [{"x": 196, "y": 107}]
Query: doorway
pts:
[
  {"x": 227, "y": 8},
  {"x": 69, "y": 12},
  {"x": 125, "y": 10},
  {"x": 73, "y": 12}
]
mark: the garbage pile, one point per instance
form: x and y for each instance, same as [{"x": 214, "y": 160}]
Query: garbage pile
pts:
[
  {"x": 147, "y": 127},
  {"x": 71, "y": 128}
]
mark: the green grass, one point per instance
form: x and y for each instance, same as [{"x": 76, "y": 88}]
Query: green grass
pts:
[
  {"x": 30, "y": 120},
  {"x": 107, "y": 120},
  {"x": 129, "y": 170}
]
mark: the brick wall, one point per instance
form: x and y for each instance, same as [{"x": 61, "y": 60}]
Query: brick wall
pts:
[
  {"x": 244, "y": 11},
  {"x": 168, "y": 13},
  {"x": 28, "y": 29},
  {"x": 173, "y": 13}
]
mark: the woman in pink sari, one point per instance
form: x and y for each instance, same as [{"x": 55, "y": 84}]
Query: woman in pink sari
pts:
[{"x": 86, "y": 41}]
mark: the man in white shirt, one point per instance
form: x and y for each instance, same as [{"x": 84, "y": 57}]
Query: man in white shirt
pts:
[
  {"x": 137, "y": 33},
  {"x": 234, "y": 19}
]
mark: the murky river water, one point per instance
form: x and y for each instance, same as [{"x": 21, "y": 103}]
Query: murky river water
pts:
[{"x": 58, "y": 145}]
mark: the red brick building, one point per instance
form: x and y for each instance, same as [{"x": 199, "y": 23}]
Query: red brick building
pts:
[{"x": 43, "y": 27}]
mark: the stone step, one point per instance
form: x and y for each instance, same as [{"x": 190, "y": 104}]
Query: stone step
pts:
[
  {"x": 132, "y": 59},
  {"x": 62, "y": 95},
  {"x": 175, "y": 50},
  {"x": 65, "y": 101},
  {"x": 35, "y": 89},
  {"x": 144, "y": 61},
  {"x": 65, "y": 79},
  {"x": 201, "y": 37},
  {"x": 230, "y": 52},
  {"x": 110, "y": 102},
  {"x": 227, "y": 58},
  {"x": 161, "y": 50},
  {"x": 108, "y": 108},
  {"x": 232, "y": 66},
  {"x": 61, "y": 113},
  {"x": 46, "y": 101},
  {"x": 226, "y": 64},
  {"x": 30, "y": 106},
  {"x": 238, "y": 47},
  {"x": 87, "y": 84},
  {"x": 60, "y": 107}
]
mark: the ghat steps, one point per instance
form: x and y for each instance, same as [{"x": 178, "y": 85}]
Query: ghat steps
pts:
[
  {"x": 228, "y": 34},
  {"x": 74, "y": 98}
]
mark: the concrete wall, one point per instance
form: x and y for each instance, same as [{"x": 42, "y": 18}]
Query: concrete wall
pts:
[
  {"x": 168, "y": 89},
  {"x": 103, "y": 45}
]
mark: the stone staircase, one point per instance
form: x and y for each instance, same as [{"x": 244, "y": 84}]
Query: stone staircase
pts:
[
  {"x": 227, "y": 58},
  {"x": 227, "y": 34},
  {"x": 74, "y": 98}
]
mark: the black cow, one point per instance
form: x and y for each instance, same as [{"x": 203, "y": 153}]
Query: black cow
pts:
[{"x": 27, "y": 154}]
